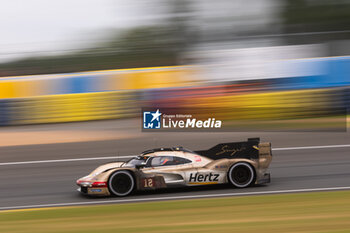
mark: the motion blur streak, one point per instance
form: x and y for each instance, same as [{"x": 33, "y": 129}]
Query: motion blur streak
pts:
[
  {"x": 132, "y": 156},
  {"x": 173, "y": 198},
  {"x": 291, "y": 169},
  {"x": 290, "y": 57},
  {"x": 91, "y": 96}
]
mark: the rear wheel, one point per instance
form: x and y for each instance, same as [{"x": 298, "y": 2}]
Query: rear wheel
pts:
[
  {"x": 121, "y": 183},
  {"x": 241, "y": 175}
]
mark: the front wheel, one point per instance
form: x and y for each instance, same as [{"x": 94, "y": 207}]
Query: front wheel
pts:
[
  {"x": 121, "y": 183},
  {"x": 241, "y": 175}
]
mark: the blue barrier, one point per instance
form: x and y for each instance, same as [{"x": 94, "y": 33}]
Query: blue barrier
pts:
[
  {"x": 335, "y": 73},
  {"x": 5, "y": 115}
]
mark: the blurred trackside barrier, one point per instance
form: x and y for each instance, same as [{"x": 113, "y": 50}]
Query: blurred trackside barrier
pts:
[
  {"x": 278, "y": 105},
  {"x": 95, "y": 81},
  {"x": 324, "y": 91},
  {"x": 70, "y": 107},
  {"x": 82, "y": 96},
  {"x": 255, "y": 101},
  {"x": 120, "y": 94}
]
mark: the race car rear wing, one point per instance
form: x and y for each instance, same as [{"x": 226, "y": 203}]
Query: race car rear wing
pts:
[{"x": 248, "y": 149}]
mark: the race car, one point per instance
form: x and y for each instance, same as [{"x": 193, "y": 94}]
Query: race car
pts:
[{"x": 239, "y": 163}]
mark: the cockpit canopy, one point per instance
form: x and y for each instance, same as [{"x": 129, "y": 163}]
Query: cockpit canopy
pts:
[
  {"x": 178, "y": 148},
  {"x": 156, "y": 161},
  {"x": 138, "y": 160}
]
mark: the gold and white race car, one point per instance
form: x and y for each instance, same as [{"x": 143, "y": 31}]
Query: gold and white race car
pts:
[{"x": 239, "y": 163}]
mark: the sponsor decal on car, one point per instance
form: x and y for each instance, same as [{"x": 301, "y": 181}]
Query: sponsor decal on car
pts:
[
  {"x": 231, "y": 151},
  {"x": 95, "y": 190},
  {"x": 200, "y": 178}
]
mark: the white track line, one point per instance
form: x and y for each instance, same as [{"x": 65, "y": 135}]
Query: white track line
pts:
[
  {"x": 311, "y": 147},
  {"x": 131, "y": 156},
  {"x": 175, "y": 198},
  {"x": 67, "y": 160}
]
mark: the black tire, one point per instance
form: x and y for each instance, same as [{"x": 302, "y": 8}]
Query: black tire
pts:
[
  {"x": 121, "y": 183},
  {"x": 241, "y": 175}
]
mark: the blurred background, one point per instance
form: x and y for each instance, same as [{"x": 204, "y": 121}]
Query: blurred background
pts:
[
  {"x": 260, "y": 66},
  {"x": 64, "y": 61}
]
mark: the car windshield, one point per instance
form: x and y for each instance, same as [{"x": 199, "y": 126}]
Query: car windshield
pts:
[{"x": 136, "y": 161}]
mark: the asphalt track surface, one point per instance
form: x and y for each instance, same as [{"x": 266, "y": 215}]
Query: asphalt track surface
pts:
[{"x": 302, "y": 161}]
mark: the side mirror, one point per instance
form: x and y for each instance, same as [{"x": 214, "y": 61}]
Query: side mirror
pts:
[{"x": 139, "y": 166}]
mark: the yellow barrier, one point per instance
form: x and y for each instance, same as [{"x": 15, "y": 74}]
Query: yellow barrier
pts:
[
  {"x": 150, "y": 79},
  {"x": 76, "y": 107},
  {"x": 270, "y": 105}
]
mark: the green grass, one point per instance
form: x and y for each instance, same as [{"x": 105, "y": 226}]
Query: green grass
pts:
[{"x": 303, "y": 212}]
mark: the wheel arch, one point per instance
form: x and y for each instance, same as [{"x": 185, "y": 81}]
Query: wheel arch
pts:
[
  {"x": 113, "y": 171},
  {"x": 249, "y": 163}
]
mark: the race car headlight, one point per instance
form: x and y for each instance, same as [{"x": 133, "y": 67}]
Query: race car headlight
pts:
[
  {"x": 84, "y": 183},
  {"x": 92, "y": 184}
]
